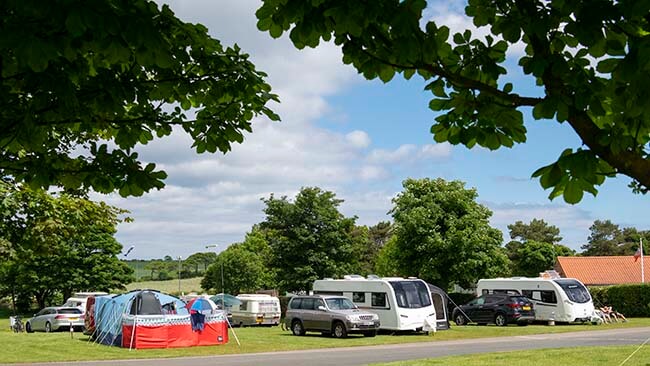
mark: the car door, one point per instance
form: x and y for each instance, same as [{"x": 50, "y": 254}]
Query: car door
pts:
[
  {"x": 321, "y": 317},
  {"x": 471, "y": 308},
  {"x": 307, "y": 309},
  {"x": 480, "y": 314},
  {"x": 38, "y": 323}
]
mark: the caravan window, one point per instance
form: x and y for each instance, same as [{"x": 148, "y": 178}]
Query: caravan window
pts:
[
  {"x": 543, "y": 296},
  {"x": 243, "y": 306},
  {"x": 411, "y": 294},
  {"x": 378, "y": 300},
  {"x": 574, "y": 290},
  {"x": 359, "y": 296}
]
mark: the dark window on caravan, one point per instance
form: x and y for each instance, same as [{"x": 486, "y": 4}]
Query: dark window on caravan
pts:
[
  {"x": 411, "y": 294},
  {"x": 359, "y": 296},
  {"x": 378, "y": 300},
  {"x": 509, "y": 292},
  {"x": 549, "y": 297},
  {"x": 243, "y": 306},
  {"x": 543, "y": 296},
  {"x": 574, "y": 290}
]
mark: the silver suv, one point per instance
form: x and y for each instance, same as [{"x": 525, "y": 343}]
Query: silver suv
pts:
[{"x": 335, "y": 315}]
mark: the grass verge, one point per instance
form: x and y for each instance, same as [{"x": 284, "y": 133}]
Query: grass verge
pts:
[
  {"x": 42, "y": 347},
  {"x": 592, "y": 356}
]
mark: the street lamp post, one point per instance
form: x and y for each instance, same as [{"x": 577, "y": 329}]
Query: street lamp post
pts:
[{"x": 179, "y": 275}]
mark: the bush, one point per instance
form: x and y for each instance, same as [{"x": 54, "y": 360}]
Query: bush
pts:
[{"x": 631, "y": 300}]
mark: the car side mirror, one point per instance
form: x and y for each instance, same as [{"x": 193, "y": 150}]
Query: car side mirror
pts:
[{"x": 321, "y": 308}]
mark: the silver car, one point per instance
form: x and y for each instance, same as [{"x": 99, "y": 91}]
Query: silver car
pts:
[
  {"x": 335, "y": 315},
  {"x": 55, "y": 318}
]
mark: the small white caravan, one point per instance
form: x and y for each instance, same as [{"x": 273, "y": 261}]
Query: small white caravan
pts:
[
  {"x": 401, "y": 303},
  {"x": 256, "y": 309},
  {"x": 560, "y": 299}
]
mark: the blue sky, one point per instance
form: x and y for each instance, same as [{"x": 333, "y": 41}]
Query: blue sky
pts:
[{"x": 358, "y": 138}]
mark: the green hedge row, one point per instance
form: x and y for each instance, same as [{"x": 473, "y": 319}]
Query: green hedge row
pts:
[{"x": 631, "y": 300}]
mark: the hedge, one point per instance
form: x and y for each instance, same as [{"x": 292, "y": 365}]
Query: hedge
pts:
[
  {"x": 631, "y": 300},
  {"x": 459, "y": 298}
]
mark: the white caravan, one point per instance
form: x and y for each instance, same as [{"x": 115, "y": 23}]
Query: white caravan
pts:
[
  {"x": 79, "y": 299},
  {"x": 401, "y": 303},
  {"x": 256, "y": 309},
  {"x": 561, "y": 299}
]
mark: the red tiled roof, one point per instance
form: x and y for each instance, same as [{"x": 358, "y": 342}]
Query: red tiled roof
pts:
[{"x": 608, "y": 270}]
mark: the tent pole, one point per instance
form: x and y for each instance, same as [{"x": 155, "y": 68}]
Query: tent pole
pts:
[{"x": 135, "y": 322}]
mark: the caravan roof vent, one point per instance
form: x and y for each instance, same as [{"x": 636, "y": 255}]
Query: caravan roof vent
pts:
[
  {"x": 373, "y": 277},
  {"x": 353, "y": 277}
]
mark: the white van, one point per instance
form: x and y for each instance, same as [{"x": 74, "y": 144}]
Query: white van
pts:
[
  {"x": 78, "y": 300},
  {"x": 561, "y": 299},
  {"x": 401, "y": 303},
  {"x": 256, "y": 309}
]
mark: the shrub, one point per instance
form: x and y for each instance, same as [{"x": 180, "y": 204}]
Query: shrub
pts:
[
  {"x": 459, "y": 298},
  {"x": 631, "y": 300}
]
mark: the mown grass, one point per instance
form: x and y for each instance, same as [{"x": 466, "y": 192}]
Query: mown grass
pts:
[
  {"x": 592, "y": 356},
  {"x": 42, "y": 347},
  {"x": 170, "y": 286}
]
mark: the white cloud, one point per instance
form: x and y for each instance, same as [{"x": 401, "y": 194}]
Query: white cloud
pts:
[
  {"x": 358, "y": 139},
  {"x": 382, "y": 156},
  {"x": 435, "y": 151}
]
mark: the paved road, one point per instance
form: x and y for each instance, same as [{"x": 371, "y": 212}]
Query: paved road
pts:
[{"x": 372, "y": 354}]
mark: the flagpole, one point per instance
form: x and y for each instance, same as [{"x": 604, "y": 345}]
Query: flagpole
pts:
[{"x": 642, "y": 272}]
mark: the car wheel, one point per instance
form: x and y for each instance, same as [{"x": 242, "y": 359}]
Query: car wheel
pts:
[
  {"x": 460, "y": 319},
  {"x": 297, "y": 328},
  {"x": 500, "y": 320},
  {"x": 370, "y": 333},
  {"x": 28, "y": 328},
  {"x": 339, "y": 331},
  {"x": 48, "y": 327}
]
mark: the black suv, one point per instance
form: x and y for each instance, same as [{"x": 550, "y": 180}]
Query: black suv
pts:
[{"x": 500, "y": 309}]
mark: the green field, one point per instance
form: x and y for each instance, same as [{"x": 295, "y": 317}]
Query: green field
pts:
[
  {"x": 43, "y": 347},
  {"x": 171, "y": 286},
  {"x": 592, "y": 356}
]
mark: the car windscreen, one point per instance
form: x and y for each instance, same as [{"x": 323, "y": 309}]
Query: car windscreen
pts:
[
  {"x": 69, "y": 311},
  {"x": 574, "y": 290},
  {"x": 411, "y": 294},
  {"x": 340, "y": 303}
]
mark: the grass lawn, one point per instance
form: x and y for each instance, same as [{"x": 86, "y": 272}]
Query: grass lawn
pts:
[
  {"x": 592, "y": 356},
  {"x": 170, "y": 286},
  {"x": 42, "y": 347}
]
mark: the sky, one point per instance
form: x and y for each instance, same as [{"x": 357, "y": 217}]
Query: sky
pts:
[{"x": 359, "y": 139}]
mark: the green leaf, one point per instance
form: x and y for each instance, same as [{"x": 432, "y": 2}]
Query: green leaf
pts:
[{"x": 572, "y": 192}]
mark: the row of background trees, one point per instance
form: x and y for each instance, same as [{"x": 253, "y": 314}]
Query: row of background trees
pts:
[
  {"x": 440, "y": 233},
  {"x": 54, "y": 244}
]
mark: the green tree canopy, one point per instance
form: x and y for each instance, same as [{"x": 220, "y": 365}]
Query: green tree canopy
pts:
[
  {"x": 607, "y": 238},
  {"x": 242, "y": 272},
  {"x": 534, "y": 257},
  {"x": 82, "y": 86},
  {"x": 590, "y": 60},
  {"x": 309, "y": 238},
  {"x": 58, "y": 244},
  {"x": 443, "y": 235},
  {"x": 536, "y": 230}
]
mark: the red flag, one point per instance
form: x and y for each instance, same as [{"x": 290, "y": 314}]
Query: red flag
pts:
[{"x": 637, "y": 255}]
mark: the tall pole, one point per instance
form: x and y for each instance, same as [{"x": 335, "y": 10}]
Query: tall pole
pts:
[
  {"x": 179, "y": 275},
  {"x": 642, "y": 269}
]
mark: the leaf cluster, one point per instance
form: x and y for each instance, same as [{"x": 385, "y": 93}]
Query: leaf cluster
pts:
[
  {"x": 590, "y": 59},
  {"x": 82, "y": 86}
]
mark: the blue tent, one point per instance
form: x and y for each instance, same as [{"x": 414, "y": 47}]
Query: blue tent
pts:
[{"x": 110, "y": 310}]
